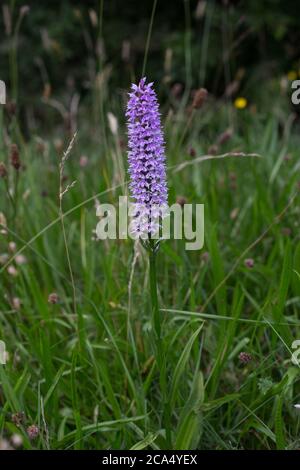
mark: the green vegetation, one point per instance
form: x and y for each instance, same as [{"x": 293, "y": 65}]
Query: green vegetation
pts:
[{"x": 81, "y": 363}]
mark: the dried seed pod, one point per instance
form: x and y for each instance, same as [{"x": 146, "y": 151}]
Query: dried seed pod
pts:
[
  {"x": 199, "y": 98},
  {"x": 15, "y": 157},
  {"x": 181, "y": 200},
  {"x": 18, "y": 418}
]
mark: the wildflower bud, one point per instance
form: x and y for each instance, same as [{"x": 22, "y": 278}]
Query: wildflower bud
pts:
[
  {"x": 32, "y": 431},
  {"x": 53, "y": 298},
  {"x": 3, "y": 170},
  {"x": 245, "y": 358},
  {"x": 199, "y": 98},
  {"x": 15, "y": 157},
  {"x": 249, "y": 263}
]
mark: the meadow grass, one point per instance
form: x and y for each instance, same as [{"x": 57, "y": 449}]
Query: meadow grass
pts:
[
  {"x": 87, "y": 377},
  {"x": 83, "y": 369}
]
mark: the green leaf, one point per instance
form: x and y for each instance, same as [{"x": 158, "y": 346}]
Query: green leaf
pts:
[
  {"x": 181, "y": 364},
  {"x": 149, "y": 439},
  {"x": 279, "y": 428},
  {"x": 190, "y": 423}
]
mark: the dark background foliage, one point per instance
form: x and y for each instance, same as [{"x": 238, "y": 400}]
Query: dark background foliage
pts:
[{"x": 60, "y": 46}]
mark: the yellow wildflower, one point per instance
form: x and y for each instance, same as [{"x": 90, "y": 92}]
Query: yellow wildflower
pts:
[{"x": 240, "y": 102}]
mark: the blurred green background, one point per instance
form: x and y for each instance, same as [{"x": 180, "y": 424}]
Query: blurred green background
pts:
[{"x": 56, "y": 49}]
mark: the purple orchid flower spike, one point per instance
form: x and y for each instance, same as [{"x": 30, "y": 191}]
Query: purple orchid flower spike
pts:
[{"x": 146, "y": 157}]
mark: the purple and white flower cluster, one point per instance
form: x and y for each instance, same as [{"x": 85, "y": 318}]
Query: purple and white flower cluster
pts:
[{"x": 146, "y": 159}]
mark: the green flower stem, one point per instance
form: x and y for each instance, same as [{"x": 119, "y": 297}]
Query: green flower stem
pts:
[
  {"x": 159, "y": 343},
  {"x": 154, "y": 297}
]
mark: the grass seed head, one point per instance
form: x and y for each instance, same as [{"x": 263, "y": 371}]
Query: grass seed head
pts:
[
  {"x": 15, "y": 157},
  {"x": 199, "y": 98},
  {"x": 18, "y": 418}
]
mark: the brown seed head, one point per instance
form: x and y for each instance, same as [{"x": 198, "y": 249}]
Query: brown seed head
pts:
[
  {"x": 15, "y": 157},
  {"x": 225, "y": 136},
  {"x": 199, "y": 98},
  {"x": 192, "y": 152},
  {"x": 181, "y": 200},
  {"x": 18, "y": 418}
]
